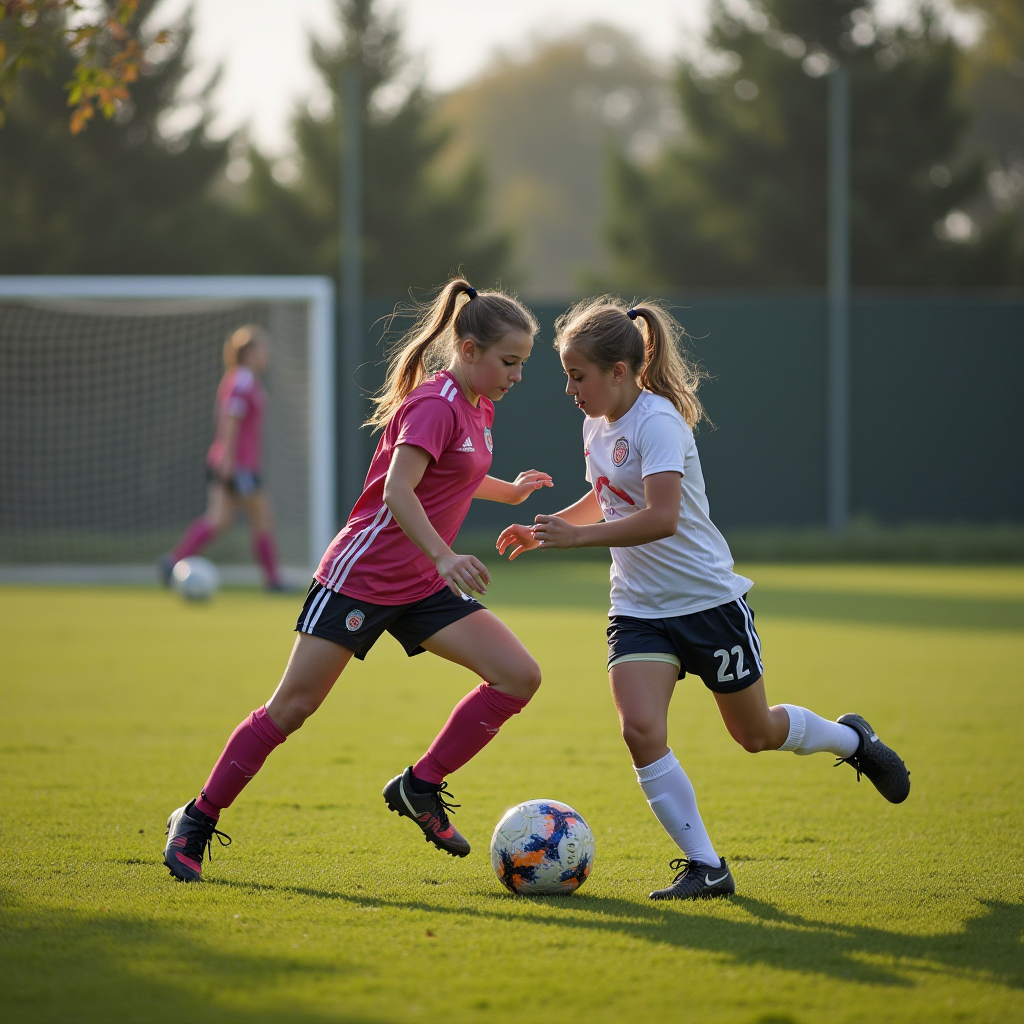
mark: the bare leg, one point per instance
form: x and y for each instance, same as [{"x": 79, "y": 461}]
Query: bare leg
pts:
[
  {"x": 257, "y": 511},
  {"x": 641, "y": 691},
  {"x": 483, "y": 643},
  {"x": 221, "y": 507},
  {"x": 312, "y": 670},
  {"x": 751, "y": 723}
]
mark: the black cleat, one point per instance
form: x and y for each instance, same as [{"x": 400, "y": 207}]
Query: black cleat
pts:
[
  {"x": 189, "y": 833},
  {"x": 428, "y": 810},
  {"x": 697, "y": 881},
  {"x": 881, "y": 764}
]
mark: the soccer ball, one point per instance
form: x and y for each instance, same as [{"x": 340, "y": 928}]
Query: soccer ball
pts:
[
  {"x": 196, "y": 579},
  {"x": 542, "y": 847}
]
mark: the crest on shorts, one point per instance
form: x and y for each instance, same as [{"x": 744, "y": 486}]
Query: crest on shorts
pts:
[
  {"x": 354, "y": 619},
  {"x": 488, "y": 440},
  {"x": 620, "y": 452}
]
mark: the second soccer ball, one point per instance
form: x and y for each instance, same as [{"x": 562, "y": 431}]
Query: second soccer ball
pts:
[{"x": 195, "y": 578}]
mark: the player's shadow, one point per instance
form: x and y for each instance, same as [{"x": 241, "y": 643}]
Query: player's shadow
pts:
[
  {"x": 988, "y": 946},
  {"x": 61, "y": 964}
]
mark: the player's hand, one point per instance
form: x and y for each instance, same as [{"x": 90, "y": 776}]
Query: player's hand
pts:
[
  {"x": 519, "y": 538},
  {"x": 526, "y": 483},
  {"x": 463, "y": 573},
  {"x": 553, "y": 532},
  {"x": 225, "y": 473}
]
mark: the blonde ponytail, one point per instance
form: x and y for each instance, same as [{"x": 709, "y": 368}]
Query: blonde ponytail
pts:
[
  {"x": 241, "y": 342},
  {"x": 666, "y": 371},
  {"x": 606, "y": 331},
  {"x": 486, "y": 316}
]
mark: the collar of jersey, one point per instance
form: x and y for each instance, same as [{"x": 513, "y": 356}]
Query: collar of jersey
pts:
[
  {"x": 475, "y": 409},
  {"x": 624, "y": 418}
]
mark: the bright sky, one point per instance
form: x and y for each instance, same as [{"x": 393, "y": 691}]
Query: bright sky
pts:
[{"x": 263, "y": 43}]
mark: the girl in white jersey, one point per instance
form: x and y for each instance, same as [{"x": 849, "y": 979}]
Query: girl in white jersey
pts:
[{"x": 676, "y": 604}]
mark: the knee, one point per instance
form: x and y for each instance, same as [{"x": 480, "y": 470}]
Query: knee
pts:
[
  {"x": 754, "y": 741},
  {"x": 642, "y": 736},
  {"x": 528, "y": 679}
]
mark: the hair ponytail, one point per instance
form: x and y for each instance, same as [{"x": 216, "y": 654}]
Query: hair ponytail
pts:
[
  {"x": 607, "y": 332},
  {"x": 666, "y": 371},
  {"x": 241, "y": 342},
  {"x": 487, "y": 316}
]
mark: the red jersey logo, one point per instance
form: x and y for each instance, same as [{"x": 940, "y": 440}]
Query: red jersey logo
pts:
[
  {"x": 603, "y": 481},
  {"x": 620, "y": 452}
]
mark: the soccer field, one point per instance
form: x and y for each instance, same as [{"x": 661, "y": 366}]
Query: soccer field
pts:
[{"x": 328, "y": 908}]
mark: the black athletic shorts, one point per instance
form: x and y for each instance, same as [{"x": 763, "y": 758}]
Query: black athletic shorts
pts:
[
  {"x": 243, "y": 481},
  {"x": 358, "y": 624},
  {"x": 719, "y": 645}
]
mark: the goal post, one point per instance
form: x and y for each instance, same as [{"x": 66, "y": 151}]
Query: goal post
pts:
[{"x": 106, "y": 410}]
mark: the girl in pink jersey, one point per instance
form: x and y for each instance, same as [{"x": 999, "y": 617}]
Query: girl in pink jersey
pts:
[
  {"x": 392, "y": 568},
  {"x": 676, "y": 604},
  {"x": 233, "y": 461}
]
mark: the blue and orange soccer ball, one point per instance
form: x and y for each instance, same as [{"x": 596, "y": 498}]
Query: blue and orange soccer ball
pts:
[{"x": 542, "y": 848}]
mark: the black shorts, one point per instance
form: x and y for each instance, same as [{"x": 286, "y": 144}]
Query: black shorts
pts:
[
  {"x": 719, "y": 645},
  {"x": 358, "y": 624},
  {"x": 244, "y": 482}
]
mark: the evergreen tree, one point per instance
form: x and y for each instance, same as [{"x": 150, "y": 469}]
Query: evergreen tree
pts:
[
  {"x": 120, "y": 198},
  {"x": 419, "y": 224},
  {"x": 744, "y": 200}
]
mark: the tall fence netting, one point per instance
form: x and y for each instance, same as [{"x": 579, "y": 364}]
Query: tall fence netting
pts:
[{"x": 106, "y": 414}]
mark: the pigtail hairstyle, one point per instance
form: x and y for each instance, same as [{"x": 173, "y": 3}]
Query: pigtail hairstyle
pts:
[
  {"x": 450, "y": 318},
  {"x": 607, "y": 332},
  {"x": 241, "y": 342}
]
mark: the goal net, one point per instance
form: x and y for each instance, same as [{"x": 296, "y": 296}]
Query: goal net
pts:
[{"x": 106, "y": 413}]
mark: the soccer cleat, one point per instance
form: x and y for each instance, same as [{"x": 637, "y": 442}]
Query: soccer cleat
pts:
[
  {"x": 881, "y": 764},
  {"x": 189, "y": 833},
  {"x": 697, "y": 881},
  {"x": 428, "y": 810}
]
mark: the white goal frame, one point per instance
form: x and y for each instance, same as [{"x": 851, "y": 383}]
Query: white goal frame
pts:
[{"x": 317, "y": 291}]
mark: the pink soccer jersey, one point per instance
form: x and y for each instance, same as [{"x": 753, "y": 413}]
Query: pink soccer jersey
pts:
[
  {"x": 372, "y": 559},
  {"x": 240, "y": 394}
]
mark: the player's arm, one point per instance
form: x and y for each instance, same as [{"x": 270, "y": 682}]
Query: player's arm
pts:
[
  {"x": 512, "y": 492},
  {"x": 523, "y": 538},
  {"x": 230, "y": 428},
  {"x": 460, "y": 572},
  {"x": 660, "y": 519}
]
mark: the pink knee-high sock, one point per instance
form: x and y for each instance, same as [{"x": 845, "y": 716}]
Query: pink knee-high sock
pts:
[
  {"x": 243, "y": 756},
  {"x": 265, "y": 550},
  {"x": 197, "y": 536},
  {"x": 472, "y": 725}
]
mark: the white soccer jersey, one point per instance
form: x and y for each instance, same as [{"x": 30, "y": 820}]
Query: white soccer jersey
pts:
[{"x": 688, "y": 572}]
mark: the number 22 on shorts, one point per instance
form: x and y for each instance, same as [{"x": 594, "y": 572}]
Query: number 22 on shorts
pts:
[{"x": 724, "y": 657}]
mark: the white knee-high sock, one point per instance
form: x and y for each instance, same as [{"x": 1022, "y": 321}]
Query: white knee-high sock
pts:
[
  {"x": 674, "y": 803},
  {"x": 811, "y": 734}
]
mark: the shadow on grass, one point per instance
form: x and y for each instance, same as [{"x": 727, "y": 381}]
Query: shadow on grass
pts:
[
  {"x": 60, "y": 965},
  {"x": 987, "y": 948},
  {"x": 586, "y": 586}
]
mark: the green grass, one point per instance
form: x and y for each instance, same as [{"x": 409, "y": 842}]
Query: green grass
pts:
[{"x": 327, "y": 908}]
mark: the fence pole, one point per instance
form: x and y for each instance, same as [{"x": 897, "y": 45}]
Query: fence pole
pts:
[
  {"x": 351, "y": 291},
  {"x": 838, "y": 361}
]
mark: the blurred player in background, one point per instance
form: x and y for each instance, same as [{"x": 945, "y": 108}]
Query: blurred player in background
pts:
[
  {"x": 391, "y": 568},
  {"x": 233, "y": 461},
  {"x": 676, "y": 604}
]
